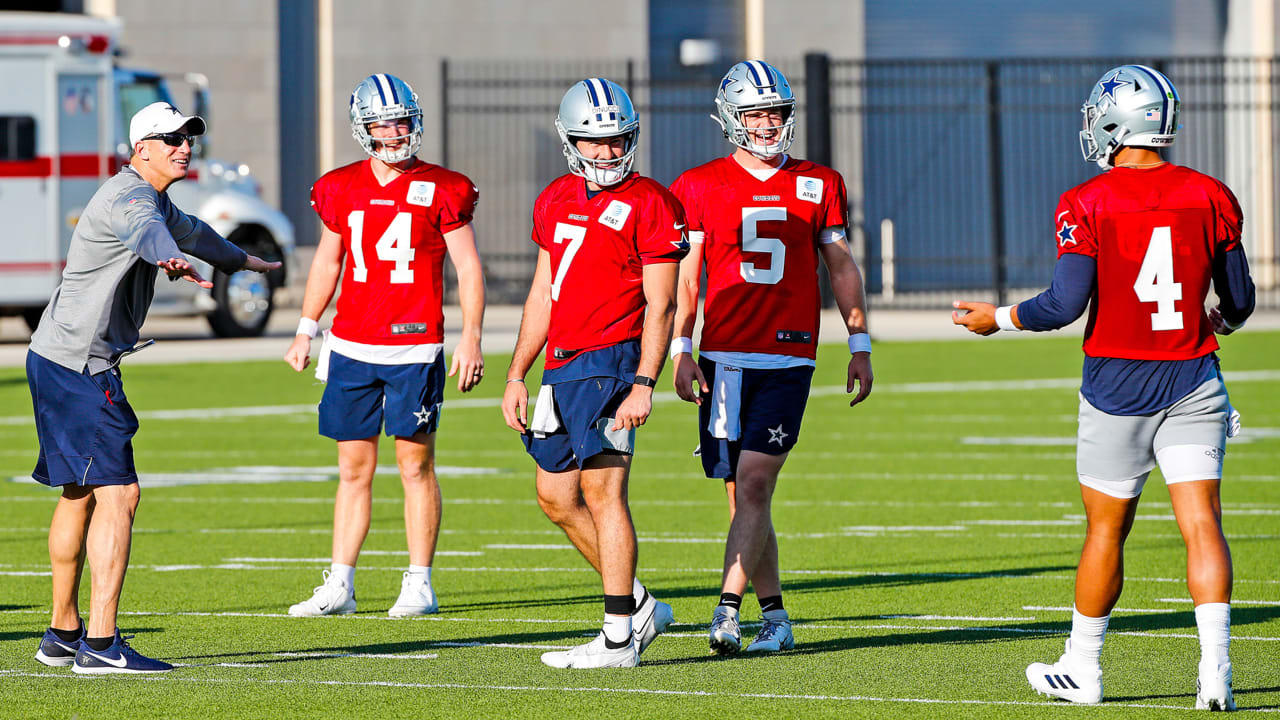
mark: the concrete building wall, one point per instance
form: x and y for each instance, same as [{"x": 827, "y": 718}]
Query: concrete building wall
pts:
[{"x": 232, "y": 42}]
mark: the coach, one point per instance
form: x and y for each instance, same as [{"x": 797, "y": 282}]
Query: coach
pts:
[{"x": 128, "y": 231}]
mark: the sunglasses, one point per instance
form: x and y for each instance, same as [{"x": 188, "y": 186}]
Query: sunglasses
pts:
[{"x": 173, "y": 139}]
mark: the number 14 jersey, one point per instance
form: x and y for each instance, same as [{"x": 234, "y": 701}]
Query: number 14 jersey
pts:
[
  {"x": 760, "y": 247},
  {"x": 393, "y": 240},
  {"x": 1154, "y": 234}
]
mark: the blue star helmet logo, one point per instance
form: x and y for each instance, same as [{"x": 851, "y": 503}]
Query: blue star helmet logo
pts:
[
  {"x": 1109, "y": 86},
  {"x": 1066, "y": 234}
]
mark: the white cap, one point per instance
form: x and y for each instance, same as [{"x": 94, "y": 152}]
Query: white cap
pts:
[{"x": 161, "y": 117}]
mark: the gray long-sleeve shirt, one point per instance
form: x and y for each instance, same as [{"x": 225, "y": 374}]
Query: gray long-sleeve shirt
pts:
[{"x": 110, "y": 276}]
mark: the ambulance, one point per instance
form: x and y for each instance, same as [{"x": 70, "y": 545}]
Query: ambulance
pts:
[{"x": 64, "y": 119}]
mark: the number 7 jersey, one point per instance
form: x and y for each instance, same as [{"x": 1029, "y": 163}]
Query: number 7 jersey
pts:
[
  {"x": 1154, "y": 234},
  {"x": 393, "y": 240}
]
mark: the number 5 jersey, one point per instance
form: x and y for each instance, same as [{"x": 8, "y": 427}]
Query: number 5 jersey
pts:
[{"x": 393, "y": 239}]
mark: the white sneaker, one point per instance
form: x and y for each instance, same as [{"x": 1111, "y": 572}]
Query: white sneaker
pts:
[
  {"x": 1065, "y": 679},
  {"x": 649, "y": 620},
  {"x": 775, "y": 635},
  {"x": 1213, "y": 688},
  {"x": 726, "y": 637},
  {"x": 595, "y": 654},
  {"x": 416, "y": 597},
  {"x": 332, "y": 597}
]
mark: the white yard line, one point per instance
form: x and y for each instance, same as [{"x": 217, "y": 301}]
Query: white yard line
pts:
[{"x": 359, "y": 656}]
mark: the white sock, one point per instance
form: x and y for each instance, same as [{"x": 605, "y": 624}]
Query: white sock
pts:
[
  {"x": 617, "y": 628},
  {"x": 1213, "y": 622},
  {"x": 1087, "y": 633},
  {"x": 638, "y": 592},
  {"x": 345, "y": 573},
  {"x": 424, "y": 570}
]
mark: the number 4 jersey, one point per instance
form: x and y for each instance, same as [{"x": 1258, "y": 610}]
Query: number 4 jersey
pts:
[
  {"x": 1154, "y": 234},
  {"x": 760, "y": 245},
  {"x": 393, "y": 238}
]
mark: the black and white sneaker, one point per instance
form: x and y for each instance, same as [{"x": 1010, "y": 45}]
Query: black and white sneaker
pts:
[
  {"x": 1067, "y": 679},
  {"x": 56, "y": 652},
  {"x": 650, "y": 620},
  {"x": 119, "y": 658},
  {"x": 725, "y": 636}
]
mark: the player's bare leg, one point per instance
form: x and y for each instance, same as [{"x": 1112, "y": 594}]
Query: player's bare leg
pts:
[
  {"x": 752, "y": 524},
  {"x": 67, "y": 532},
  {"x": 109, "y": 539},
  {"x": 416, "y": 458},
  {"x": 357, "y": 460},
  {"x": 1198, "y": 509},
  {"x": 1100, "y": 575},
  {"x": 560, "y": 497},
  {"x": 422, "y": 504},
  {"x": 604, "y": 490}
]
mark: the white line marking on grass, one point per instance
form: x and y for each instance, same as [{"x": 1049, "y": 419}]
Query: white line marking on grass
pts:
[
  {"x": 614, "y": 691},
  {"x": 504, "y": 546},
  {"x": 262, "y": 475},
  {"x": 1234, "y": 601},
  {"x": 957, "y": 617},
  {"x": 23, "y": 573},
  {"x": 221, "y": 664},
  {"x": 1114, "y": 610},
  {"x": 903, "y": 528},
  {"x": 360, "y": 656},
  {"x": 1070, "y": 521},
  {"x": 1033, "y": 441},
  {"x": 498, "y": 645}
]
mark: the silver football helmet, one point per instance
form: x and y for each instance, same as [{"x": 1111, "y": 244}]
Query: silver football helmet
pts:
[
  {"x": 598, "y": 108},
  {"x": 1129, "y": 105},
  {"x": 755, "y": 85},
  {"x": 385, "y": 97}
]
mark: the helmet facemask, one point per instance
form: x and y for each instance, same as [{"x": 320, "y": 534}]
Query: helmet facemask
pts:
[
  {"x": 603, "y": 172},
  {"x": 598, "y": 109},
  {"x": 378, "y": 146},
  {"x": 733, "y": 122}
]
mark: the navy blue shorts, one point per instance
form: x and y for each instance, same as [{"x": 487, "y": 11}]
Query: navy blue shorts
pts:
[
  {"x": 770, "y": 408},
  {"x": 84, "y": 423},
  {"x": 359, "y": 396},
  {"x": 585, "y": 409}
]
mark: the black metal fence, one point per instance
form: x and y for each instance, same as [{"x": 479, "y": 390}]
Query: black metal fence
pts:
[{"x": 954, "y": 167}]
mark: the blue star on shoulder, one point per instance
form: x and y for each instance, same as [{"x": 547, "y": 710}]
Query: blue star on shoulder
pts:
[
  {"x": 1110, "y": 84},
  {"x": 1066, "y": 234}
]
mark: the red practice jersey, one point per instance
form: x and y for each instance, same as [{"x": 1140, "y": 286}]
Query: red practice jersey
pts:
[
  {"x": 598, "y": 249},
  {"x": 1154, "y": 234},
  {"x": 393, "y": 239},
  {"x": 760, "y": 248}
]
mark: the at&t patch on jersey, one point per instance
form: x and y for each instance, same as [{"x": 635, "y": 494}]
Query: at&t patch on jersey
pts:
[
  {"x": 615, "y": 216},
  {"x": 421, "y": 193},
  {"x": 808, "y": 188}
]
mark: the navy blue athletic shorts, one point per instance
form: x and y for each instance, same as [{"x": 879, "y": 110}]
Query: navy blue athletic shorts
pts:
[
  {"x": 84, "y": 423},
  {"x": 359, "y": 396},
  {"x": 770, "y": 407}
]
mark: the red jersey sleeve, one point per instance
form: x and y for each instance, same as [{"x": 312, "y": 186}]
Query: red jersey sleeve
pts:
[
  {"x": 835, "y": 206},
  {"x": 661, "y": 233},
  {"x": 540, "y": 237},
  {"x": 1228, "y": 224},
  {"x": 1071, "y": 230},
  {"x": 459, "y": 206},
  {"x": 322, "y": 203}
]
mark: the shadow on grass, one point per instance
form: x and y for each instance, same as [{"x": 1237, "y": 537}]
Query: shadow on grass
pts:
[{"x": 21, "y": 635}]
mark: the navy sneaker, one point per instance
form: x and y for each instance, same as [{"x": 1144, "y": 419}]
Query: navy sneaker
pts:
[
  {"x": 56, "y": 652},
  {"x": 119, "y": 658}
]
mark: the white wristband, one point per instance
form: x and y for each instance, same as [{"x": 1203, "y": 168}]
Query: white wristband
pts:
[
  {"x": 859, "y": 342},
  {"x": 308, "y": 327},
  {"x": 1004, "y": 318},
  {"x": 681, "y": 345}
]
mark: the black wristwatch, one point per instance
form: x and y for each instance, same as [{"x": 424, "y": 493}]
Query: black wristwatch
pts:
[{"x": 645, "y": 381}]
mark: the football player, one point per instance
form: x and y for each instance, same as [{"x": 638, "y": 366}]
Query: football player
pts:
[
  {"x": 759, "y": 221},
  {"x": 602, "y": 302},
  {"x": 388, "y": 221},
  {"x": 1139, "y": 244}
]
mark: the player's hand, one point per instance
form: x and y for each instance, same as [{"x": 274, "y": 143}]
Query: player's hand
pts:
[
  {"x": 179, "y": 268},
  {"x": 860, "y": 370},
  {"x": 687, "y": 374},
  {"x": 1219, "y": 323},
  {"x": 257, "y": 264},
  {"x": 633, "y": 411},
  {"x": 515, "y": 406},
  {"x": 468, "y": 363},
  {"x": 980, "y": 319},
  {"x": 298, "y": 354}
]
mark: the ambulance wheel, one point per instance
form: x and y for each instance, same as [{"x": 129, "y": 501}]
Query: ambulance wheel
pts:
[{"x": 244, "y": 304}]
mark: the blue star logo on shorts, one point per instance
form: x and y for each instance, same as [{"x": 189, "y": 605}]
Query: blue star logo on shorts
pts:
[
  {"x": 777, "y": 435},
  {"x": 423, "y": 415},
  {"x": 1066, "y": 235}
]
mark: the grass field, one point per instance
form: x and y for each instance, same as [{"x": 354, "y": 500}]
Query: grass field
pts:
[{"x": 928, "y": 538}]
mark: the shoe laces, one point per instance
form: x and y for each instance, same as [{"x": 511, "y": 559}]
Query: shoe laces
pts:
[
  {"x": 770, "y": 628},
  {"x": 724, "y": 619}
]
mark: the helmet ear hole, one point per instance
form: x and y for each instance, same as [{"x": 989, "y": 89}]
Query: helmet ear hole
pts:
[{"x": 1110, "y": 127}]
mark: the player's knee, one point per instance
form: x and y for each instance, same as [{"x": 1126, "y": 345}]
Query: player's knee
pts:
[
  {"x": 417, "y": 474},
  {"x": 556, "y": 507},
  {"x": 117, "y": 498}
]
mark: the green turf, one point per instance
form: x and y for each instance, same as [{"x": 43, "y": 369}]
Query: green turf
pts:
[{"x": 882, "y": 510}]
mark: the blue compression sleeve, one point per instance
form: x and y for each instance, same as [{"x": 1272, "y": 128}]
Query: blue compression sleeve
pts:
[{"x": 1066, "y": 299}]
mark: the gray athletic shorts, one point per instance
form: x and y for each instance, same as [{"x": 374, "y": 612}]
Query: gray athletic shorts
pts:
[{"x": 1115, "y": 453}]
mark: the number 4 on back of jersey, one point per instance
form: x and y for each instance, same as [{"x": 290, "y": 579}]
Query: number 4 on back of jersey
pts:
[{"x": 1155, "y": 281}]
